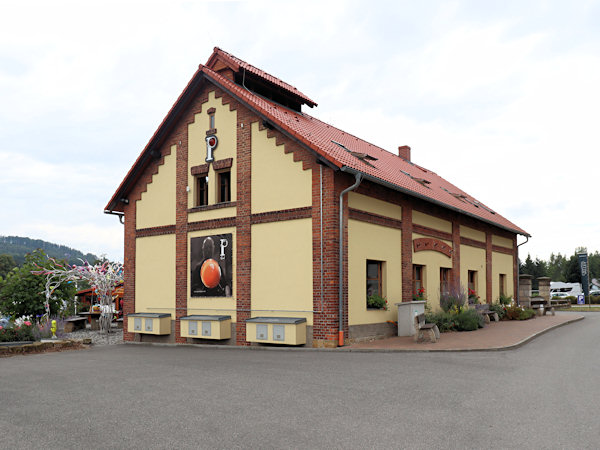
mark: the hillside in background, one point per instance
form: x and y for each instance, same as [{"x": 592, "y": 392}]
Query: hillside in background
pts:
[{"x": 18, "y": 247}]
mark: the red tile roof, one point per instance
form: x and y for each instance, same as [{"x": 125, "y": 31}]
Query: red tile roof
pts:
[
  {"x": 342, "y": 150},
  {"x": 236, "y": 63}
]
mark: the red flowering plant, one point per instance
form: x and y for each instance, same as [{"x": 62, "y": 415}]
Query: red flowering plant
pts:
[
  {"x": 419, "y": 295},
  {"x": 473, "y": 297}
]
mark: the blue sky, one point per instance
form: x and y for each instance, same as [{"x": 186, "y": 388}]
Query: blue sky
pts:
[{"x": 500, "y": 98}]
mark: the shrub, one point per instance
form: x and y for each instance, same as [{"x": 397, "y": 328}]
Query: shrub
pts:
[
  {"x": 498, "y": 309},
  {"x": 465, "y": 319},
  {"x": 15, "y": 333},
  {"x": 444, "y": 320},
  {"x": 454, "y": 299},
  {"x": 504, "y": 299},
  {"x": 514, "y": 312},
  {"x": 469, "y": 320},
  {"x": 376, "y": 301}
]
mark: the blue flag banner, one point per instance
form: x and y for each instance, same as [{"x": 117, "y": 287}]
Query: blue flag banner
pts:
[{"x": 583, "y": 269}]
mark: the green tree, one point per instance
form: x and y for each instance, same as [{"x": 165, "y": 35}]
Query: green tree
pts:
[
  {"x": 571, "y": 272},
  {"x": 556, "y": 267},
  {"x": 7, "y": 263},
  {"x": 23, "y": 294}
]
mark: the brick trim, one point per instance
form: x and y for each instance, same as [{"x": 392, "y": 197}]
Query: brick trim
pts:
[
  {"x": 488, "y": 267},
  {"x": 223, "y": 164},
  {"x": 422, "y": 244},
  {"x": 155, "y": 231},
  {"x": 431, "y": 232},
  {"x": 455, "y": 252},
  {"x": 281, "y": 215},
  {"x": 376, "y": 219},
  {"x": 211, "y": 110},
  {"x": 202, "y": 169},
  {"x": 472, "y": 242},
  {"x": 500, "y": 249},
  {"x": 211, "y": 224},
  {"x": 211, "y": 131},
  {"x": 407, "y": 253},
  {"x": 212, "y": 207}
]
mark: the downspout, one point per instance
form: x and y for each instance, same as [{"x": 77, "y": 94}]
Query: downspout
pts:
[
  {"x": 519, "y": 269},
  {"x": 358, "y": 177}
]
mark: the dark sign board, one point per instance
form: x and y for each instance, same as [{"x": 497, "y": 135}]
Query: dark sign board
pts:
[
  {"x": 210, "y": 263},
  {"x": 583, "y": 269}
]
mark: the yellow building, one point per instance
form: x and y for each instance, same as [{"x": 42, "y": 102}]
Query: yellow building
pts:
[{"x": 248, "y": 220}]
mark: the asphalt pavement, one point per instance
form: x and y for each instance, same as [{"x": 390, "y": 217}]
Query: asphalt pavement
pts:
[{"x": 541, "y": 395}]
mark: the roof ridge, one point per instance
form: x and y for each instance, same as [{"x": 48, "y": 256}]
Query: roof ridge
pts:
[{"x": 262, "y": 74}]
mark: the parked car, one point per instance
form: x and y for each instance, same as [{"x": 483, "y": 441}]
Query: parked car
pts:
[
  {"x": 595, "y": 292},
  {"x": 560, "y": 295}
]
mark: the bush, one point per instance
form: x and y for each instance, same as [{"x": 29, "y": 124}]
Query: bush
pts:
[
  {"x": 444, "y": 320},
  {"x": 469, "y": 320},
  {"x": 504, "y": 299},
  {"x": 498, "y": 309},
  {"x": 454, "y": 299},
  {"x": 376, "y": 301},
  {"x": 465, "y": 319},
  {"x": 514, "y": 312},
  {"x": 16, "y": 333}
]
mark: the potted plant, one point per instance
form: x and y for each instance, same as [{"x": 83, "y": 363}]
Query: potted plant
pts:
[{"x": 376, "y": 301}]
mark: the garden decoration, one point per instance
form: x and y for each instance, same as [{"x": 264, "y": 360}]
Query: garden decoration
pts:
[
  {"x": 103, "y": 277},
  {"x": 53, "y": 329}
]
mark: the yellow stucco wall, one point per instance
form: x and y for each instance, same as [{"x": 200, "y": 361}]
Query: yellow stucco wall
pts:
[
  {"x": 156, "y": 207},
  {"x": 282, "y": 278},
  {"x": 373, "y": 205},
  {"x": 472, "y": 234},
  {"x": 502, "y": 263},
  {"x": 374, "y": 242},
  {"x": 155, "y": 274},
  {"x": 502, "y": 241},
  {"x": 432, "y": 261},
  {"x": 277, "y": 181},
  {"x": 226, "y": 125},
  {"x": 436, "y": 223},
  {"x": 220, "y": 213},
  {"x": 213, "y": 305},
  {"x": 473, "y": 258}
]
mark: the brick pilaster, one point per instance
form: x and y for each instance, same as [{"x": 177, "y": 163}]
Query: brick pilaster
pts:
[
  {"x": 407, "y": 252},
  {"x": 243, "y": 225},
  {"x": 456, "y": 252},
  {"x": 488, "y": 266}
]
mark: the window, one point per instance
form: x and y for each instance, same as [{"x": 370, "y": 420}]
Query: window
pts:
[
  {"x": 472, "y": 280},
  {"x": 374, "y": 278},
  {"x": 224, "y": 183},
  {"x": 444, "y": 280},
  {"x": 211, "y": 121},
  {"x": 418, "y": 281},
  {"x": 502, "y": 284},
  {"x": 201, "y": 191}
]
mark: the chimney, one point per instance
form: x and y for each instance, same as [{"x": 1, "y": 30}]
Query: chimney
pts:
[{"x": 404, "y": 152}]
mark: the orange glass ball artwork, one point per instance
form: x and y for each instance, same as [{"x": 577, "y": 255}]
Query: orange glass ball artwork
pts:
[{"x": 210, "y": 273}]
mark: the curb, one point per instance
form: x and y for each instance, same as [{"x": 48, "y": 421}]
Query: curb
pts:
[{"x": 357, "y": 350}]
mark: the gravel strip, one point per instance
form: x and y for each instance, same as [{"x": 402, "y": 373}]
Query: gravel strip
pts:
[{"x": 98, "y": 337}]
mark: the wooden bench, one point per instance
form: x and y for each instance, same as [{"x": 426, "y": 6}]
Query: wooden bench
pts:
[
  {"x": 74, "y": 323},
  {"x": 422, "y": 328},
  {"x": 488, "y": 315}
]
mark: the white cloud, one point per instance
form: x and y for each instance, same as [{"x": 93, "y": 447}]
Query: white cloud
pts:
[{"x": 500, "y": 101}]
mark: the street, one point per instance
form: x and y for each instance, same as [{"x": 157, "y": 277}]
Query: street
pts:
[{"x": 542, "y": 395}]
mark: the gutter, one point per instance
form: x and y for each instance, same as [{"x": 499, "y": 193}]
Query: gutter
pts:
[{"x": 358, "y": 176}]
